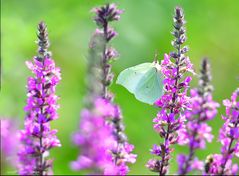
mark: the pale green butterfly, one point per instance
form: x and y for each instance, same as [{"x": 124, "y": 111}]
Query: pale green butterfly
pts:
[{"x": 145, "y": 81}]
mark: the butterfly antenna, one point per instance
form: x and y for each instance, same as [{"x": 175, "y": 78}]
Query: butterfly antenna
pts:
[{"x": 156, "y": 56}]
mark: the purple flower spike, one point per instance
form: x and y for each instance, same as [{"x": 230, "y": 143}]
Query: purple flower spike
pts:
[
  {"x": 221, "y": 164},
  {"x": 99, "y": 147},
  {"x": 101, "y": 138},
  {"x": 170, "y": 119},
  {"x": 106, "y": 14},
  {"x": 121, "y": 154},
  {"x": 38, "y": 138},
  {"x": 9, "y": 142},
  {"x": 202, "y": 109},
  {"x": 95, "y": 139}
]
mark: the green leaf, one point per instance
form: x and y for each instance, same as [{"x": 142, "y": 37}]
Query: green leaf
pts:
[{"x": 145, "y": 81}]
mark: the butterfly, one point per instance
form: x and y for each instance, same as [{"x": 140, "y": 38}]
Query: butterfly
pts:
[{"x": 145, "y": 81}]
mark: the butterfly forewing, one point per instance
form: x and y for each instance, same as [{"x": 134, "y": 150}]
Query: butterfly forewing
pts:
[{"x": 130, "y": 77}]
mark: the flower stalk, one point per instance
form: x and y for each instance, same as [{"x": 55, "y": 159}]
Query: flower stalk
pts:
[
  {"x": 170, "y": 120},
  {"x": 104, "y": 15},
  {"x": 221, "y": 164},
  {"x": 203, "y": 109},
  {"x": 37, "y": 138},
  {"x": 109, "y": 157}
]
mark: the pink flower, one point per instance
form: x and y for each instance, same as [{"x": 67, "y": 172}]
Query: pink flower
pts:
[
  {"x": 38, "y": 138},
  {"x": 101, "y": 136},
  {"x": 169, "y": 123},
  {"x": 9, "y": 141},
  {"x": 81, "y": 163},
  {"x": 197, "y": 164},
  {"x": 201, "y": 108},
  {"x": 97, "y": 142},
  {"x": 228, "y": 136}
]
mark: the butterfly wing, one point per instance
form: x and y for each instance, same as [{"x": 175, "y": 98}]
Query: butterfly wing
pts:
[
  {"x": 145, "y": 81},
  {"x": 150, "y": 87},
  {"x": 130, "y": 77}
]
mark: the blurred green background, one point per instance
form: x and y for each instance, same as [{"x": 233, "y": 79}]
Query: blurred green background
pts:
[{"x": 212, "y": 30}]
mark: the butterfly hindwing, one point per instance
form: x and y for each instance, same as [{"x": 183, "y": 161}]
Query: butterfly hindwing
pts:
[{"x": 150, "y": 87}]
